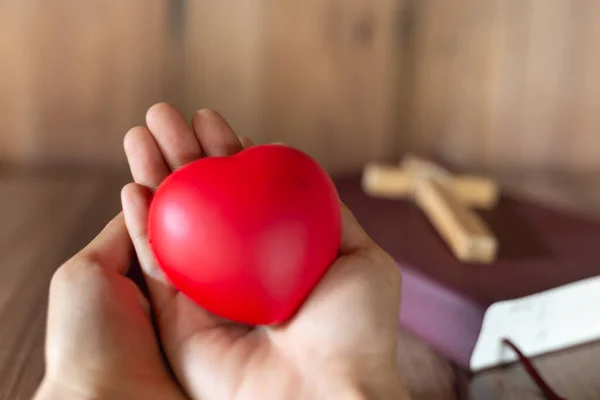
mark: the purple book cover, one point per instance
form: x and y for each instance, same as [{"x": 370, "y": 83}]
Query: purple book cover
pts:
[{"x": 443, "y": 300}]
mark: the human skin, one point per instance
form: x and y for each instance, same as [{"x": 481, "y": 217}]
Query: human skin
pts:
[{"x": 100, "y": 340}]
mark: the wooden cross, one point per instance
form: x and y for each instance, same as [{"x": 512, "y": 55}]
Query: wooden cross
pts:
[{"x": 445, "y": 198}]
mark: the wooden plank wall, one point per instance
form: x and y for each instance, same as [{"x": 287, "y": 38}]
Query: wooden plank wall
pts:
[
  {"x": 507, "y": 83},
  {"x": 487, "y": 83},
  {"x": 224, "y": 60},
  {"x": 75, "y": 75},
  {"x": 315, "y": 74},
  {"x": 332, "y": 69}
]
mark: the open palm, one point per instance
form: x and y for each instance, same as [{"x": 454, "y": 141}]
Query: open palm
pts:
[{"x": 340, "y": 344}]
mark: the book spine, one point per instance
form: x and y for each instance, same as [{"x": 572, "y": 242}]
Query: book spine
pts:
[{"x": 443, "y": 318}]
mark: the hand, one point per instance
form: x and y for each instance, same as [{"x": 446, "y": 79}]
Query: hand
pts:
[
  {"x": 340, "y": 344},
  {"x": 100, "y": 342}
]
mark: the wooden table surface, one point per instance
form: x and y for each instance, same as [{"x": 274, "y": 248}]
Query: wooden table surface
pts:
[{"x": 46, "y": 216}]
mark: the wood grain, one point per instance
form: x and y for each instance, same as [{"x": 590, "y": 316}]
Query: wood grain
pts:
[
  {"x": 331, "y": 69},
  {"x": 486, "y": 84},
  {"x": 583, "y": 120},
  {"x": 392, "y": 182},
  {"x": 55, "y": 217},
  {"x": 22, "y": 305},
  {"x": 462, "y": 229},
  {"x": 76, "y": 76},
  {"x": 16, "y": 127},
  {"x": 507, "y": 83},
  {"x": 565, "y": 371},
  {"x": 224, "y": 62}
]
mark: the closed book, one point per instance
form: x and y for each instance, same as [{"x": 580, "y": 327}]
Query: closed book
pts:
[{"x": 542, "y": 292}]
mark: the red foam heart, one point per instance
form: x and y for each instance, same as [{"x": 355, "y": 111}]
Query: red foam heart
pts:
[{"x": 248, "y": 236}]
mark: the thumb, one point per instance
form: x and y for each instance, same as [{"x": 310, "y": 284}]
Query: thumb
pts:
[
  {"x": 111, "y": 249},
  {"x": 354, "y": 238}
]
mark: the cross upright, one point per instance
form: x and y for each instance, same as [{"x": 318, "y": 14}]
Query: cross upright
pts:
[{"x": 445, "y": 198}]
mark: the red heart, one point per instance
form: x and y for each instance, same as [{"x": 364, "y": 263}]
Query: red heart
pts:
[{"x": 248, "y": 236}]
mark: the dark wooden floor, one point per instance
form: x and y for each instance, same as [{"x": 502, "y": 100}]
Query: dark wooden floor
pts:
[{"x": 46, "y": 216}]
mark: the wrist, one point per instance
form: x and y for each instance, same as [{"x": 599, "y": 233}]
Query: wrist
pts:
[
  {"x": 381, "y": 387},
  {"x": 392, "y": 389},
  {"x": 50, "y": 389},
  {"x": 69, "y": 389}
]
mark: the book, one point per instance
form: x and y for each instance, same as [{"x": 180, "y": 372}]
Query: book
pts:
[{"x": 540, "y": 293}]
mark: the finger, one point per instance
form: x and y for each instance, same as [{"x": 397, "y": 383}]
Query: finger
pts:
[
  {"x": 175, "y": 138},
  {"x": 356, "y": 242},
  {"x": 246, "y": 142},
  {"x": 136, "y": 202},
  {"x": 354, "y": 238},
  {"x": 111, "y": 249},
  {"x": 215, "y": 135},
  {"x": 147, "y": 165}
]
